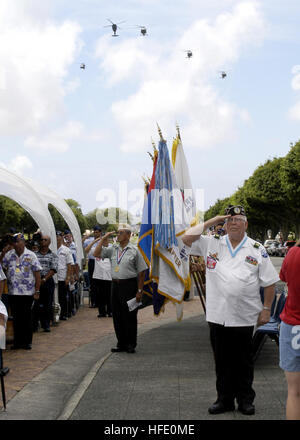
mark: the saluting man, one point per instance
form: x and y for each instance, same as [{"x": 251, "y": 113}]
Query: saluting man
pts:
[
  {"x": 236, "y": 267},
  {"x": 128, "y": 273}
]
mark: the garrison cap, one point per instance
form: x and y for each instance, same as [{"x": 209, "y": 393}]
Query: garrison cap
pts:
[
  {"x": 235, "y": 210},
  {"x": 17, "y": 236}
]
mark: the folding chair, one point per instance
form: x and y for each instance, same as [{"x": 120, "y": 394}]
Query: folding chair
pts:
[{"x": 270, "y": 329}]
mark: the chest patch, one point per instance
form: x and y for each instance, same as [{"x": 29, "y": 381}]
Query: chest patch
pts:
[
  {"x": 251, "y": 260},
  {"x": 211, "y": 261}
]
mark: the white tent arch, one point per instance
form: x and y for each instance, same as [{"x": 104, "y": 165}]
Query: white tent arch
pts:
[
  {"x": 50, "y": 197},
  {"x": 19, "y": 190}
]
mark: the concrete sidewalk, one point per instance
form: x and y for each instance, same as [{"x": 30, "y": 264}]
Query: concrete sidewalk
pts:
[{"x": 171, "y": 377}]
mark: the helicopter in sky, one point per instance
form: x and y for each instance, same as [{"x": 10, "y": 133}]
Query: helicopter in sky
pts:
[
  {"x": 114, "y": 26},
  {"x": 189, "y": 53},
  {"x": 143, "y": 30},
  {"x": 82, "y": 66},
  {"x": 223, "y": 74}
]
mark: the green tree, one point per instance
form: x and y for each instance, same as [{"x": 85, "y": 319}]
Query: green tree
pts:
[
  {"x": 76, "y": 208},
  {"x": 108, "y": 218},
  {"x": 271, "y": 196}
]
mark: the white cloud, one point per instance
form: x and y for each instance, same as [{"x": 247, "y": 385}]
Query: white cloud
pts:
[
  {"x": 168, "y": 88},
  {"x": 294, "y": 111},
  {"x": 18, "y": 165},
  {"x": 35, "y": 54},
  {"x": 58, "y": 140}
]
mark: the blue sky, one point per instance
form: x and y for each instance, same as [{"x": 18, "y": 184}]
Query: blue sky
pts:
[{"x": 80, "y": 132}]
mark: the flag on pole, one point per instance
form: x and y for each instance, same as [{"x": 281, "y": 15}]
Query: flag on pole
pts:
[
  {"x": 145, "y": 244},
  {"x": 182, "y": 176},
  {"x": 183, "y": 180},
  {"x": 168, "y": 260}
]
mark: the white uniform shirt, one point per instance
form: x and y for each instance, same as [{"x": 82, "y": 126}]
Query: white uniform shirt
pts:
[
  {"x": 64, "y": 258},
  {"x": 91, "y": 252},
  {"x": 102, "y": 270},
  {"x": 233, "y": 279}
]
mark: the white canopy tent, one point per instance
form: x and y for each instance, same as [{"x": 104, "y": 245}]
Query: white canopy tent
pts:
[
  {"x": 17, "y": 189},
  {"x": 50, "y": 197},
  {"x": 35, "y": 199}
]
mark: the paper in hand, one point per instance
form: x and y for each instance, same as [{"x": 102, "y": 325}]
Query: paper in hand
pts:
[{"x": 133, "y": 304}]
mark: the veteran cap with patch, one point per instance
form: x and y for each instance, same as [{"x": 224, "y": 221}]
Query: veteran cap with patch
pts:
[{"x": 235, "y": 210}]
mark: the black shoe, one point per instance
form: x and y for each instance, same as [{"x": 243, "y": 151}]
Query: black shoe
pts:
[
  {"x": 47, "y": 330},
  {"x": 117, "y": 350},
  {"x": 130, "y": 349},
  {"x": 110, "y": 315},
  {"x": 63, "y": 318},
  {"x": 219, "y": 407},
  {"x": 247, "y": 409},
  {"x": 27, "y": 347}
]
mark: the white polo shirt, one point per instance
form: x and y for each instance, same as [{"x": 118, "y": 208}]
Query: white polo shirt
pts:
[
  {"x": 233, "y": 279},
  {"x": 102, "y": 270},
  {"x": 64, "y": 258}
]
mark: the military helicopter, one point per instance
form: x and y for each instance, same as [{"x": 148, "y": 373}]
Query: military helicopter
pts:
[
  {"x": 114, "y": 27},
  {"x": 223, "y": 74},
  {"x": 189, "y": 53},
  {"x": 143, "y": 30},
  {"x": 82, "y": 66}
]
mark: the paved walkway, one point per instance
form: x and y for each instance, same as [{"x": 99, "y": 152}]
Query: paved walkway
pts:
[
  {"x": 67, "y": 336},
  {"x": 71, "y": 374}
]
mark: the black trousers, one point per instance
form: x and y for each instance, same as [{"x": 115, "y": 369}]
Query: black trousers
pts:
[
  {"x": 91, "y": 266},
  {"x": 42, "y": 309},
  {"x": 233, "y": 353},
  {"x": 63, "y": 298},
  {"x": 103, "y": 296},
  {"x": 21, "y": 310},
  {"x": 125, "y": 322}
]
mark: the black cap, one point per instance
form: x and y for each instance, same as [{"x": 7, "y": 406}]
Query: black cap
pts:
[
  {"x": 235, "y": 210},
  {"x": 59, "y": 233},
  {"x": 67, "y": 231},
  {"x": 97, "y": 228}
]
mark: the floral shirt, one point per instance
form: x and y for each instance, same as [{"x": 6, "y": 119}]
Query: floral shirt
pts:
[{"x": 20, "y": 272}]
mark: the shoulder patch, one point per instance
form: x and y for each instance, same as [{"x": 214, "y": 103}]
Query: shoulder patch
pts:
[
  {"x": 217, "y": 236},
  {"x": 256, "y": 245}
]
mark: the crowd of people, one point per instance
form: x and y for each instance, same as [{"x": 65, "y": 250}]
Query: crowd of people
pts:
[
  {"x": 29, "y": 268},
  {"x": 236, "y": 268}
]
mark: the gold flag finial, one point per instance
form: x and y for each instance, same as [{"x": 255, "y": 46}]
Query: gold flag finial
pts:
[
  {"x": 160, "y": 133},
  {"x": 154, "y": 146},
  {"x": 178, "y": 131},
  {"x": 151, "y": 155}
]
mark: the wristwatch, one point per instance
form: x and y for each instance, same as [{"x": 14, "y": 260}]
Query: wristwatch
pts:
[{"x": 140, "y": 290}]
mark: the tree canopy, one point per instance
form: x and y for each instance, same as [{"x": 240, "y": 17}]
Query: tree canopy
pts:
[{"x": 271, "y": 196}]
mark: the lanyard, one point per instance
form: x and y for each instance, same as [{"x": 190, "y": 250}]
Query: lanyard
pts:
[{"x": 120, "y": 256}]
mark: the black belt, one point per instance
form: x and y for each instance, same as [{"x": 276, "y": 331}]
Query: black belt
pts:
[{"x": 123, "y": 281}]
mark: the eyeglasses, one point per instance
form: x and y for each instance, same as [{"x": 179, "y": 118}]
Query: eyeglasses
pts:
[{"x": 235, "y": 219}]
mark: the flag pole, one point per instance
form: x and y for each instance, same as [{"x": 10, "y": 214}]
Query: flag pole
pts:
[
  {"x": 3, "y": 372},
  {"x": 199, "y": 286}
]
